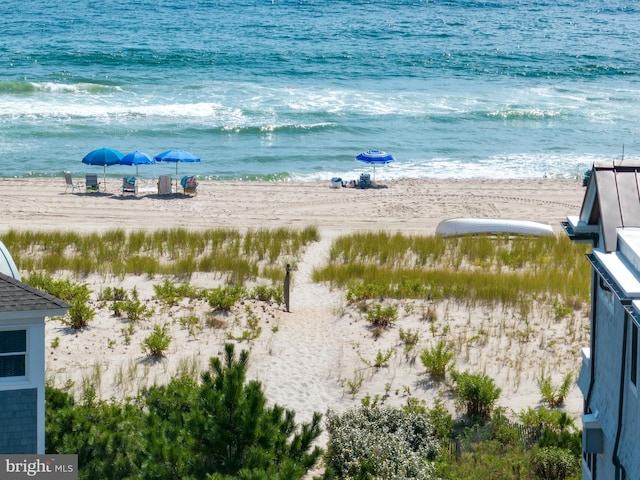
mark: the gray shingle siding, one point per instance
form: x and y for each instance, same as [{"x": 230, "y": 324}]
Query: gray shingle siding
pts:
[{"x": 18, "y": 421}]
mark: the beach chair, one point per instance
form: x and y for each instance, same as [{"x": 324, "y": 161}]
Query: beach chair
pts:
[
  {"x": 164, "y": 185},
  {"x": 365, "y": 181},
  {"x": 69, "y": 182},
  {"x": 129, "y": 185},
  {"x": 189, "y": 184},
  {"x": 91, "y": 183}
]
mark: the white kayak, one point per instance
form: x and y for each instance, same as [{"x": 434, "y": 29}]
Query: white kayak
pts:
[{"x": 469, "y": 226}]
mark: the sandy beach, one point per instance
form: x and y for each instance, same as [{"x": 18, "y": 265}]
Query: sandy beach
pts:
[
  {"x": 411, "y": 206},
  {"x": 308, "y": 357}
]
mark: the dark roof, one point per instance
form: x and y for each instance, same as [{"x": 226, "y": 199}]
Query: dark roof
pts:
[
  {"x": 612, "y": 199},
  {"x": 16, "y": 296}
]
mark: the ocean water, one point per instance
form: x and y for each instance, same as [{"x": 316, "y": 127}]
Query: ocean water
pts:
[{"x": 293, "y": 90}]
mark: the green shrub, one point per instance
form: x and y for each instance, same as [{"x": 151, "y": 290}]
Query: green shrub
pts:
[
  {"x": 79, "y": 314},
  {"x": 409, "y": 338},
  {"x": 114, "y": 294},
  {"x": 441, "y": 420},
  {"x": 475, "y": 393},
  {"x": 158, "y": 342},
  {"x": 438, "y": 360},
  {"x": 381, "y": 442},
  {"x": 502, "y": 431},
  {"x": 77, "y": 295},
  {"x": 134, "y": 309},
  {"x": 541, "y": 417},
  {"x": 170, "y": 294},
  {"x": 224, "y": 298},
  {"x": 116, "y": 308},
  {"x": 552, "y": 395},
  {"x": 487, "y": 460},
  {"x": 265, "y": 293},
  {"x": 364, "y": 291},
  {"x": 237, "y": 430},
  {"x": 561, "y": 310},
  {"x": 552, "y": 463},
  {"x": 382, "y": 317},
  {"x": 62, "y": 288},
  {"x": 381, "y": 360}
]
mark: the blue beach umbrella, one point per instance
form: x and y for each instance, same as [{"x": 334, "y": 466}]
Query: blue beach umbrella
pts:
[
  {"x": 375, "y": 157},
  {"x": 136, "y": 158},
  {"x": 103, "y": 157},
  {"x": 176, "y": 156}
]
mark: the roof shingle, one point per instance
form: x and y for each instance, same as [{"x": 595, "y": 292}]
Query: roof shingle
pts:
[{"x": 16, "y": 296}]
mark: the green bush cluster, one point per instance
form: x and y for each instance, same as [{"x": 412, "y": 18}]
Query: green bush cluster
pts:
[
  {"x": 438, "y": 360},
  {"x": 113, "y": 294},
  {"x": 77, "y": 295},
  {"x": 170, "y": 293},
  {"x": 224, "y": 298},
  {"x": 131, "y": 307},
  {"x": 381, "y": 317},
  {"x": 554, "y": 395},
  {"x": 265, "y": 293},
  {"x": 381, "y": 442},
  {"x": 498, "y": 448},
  {"x": 475, "y": 393},
  {"x": 157, "y": 342},
  {"x": 553, "y": 463}
]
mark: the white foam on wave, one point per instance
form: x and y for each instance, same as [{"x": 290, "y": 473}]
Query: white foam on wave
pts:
[
  {"x": 81, "y": 88},
  {"x": 100, "y": 110},
  {"x": 502, "y": 167}
]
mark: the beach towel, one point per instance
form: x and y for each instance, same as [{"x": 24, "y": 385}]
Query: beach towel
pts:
[{"x": 164, "y": 185}]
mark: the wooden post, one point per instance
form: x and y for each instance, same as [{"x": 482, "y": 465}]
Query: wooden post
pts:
[{"x": 287, "y": 282}]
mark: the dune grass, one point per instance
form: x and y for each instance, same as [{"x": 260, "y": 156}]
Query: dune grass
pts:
[
  {"x": 489, "y": 270},
  {"x": 175, "y": 252}
]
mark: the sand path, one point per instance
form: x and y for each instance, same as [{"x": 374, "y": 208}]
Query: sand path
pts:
[{"x": 301, "y": 361}]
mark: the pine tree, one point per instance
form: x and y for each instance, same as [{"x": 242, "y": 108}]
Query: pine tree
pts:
[
  {"x": 234, "y": 430},
  {"x": 219, "y": 429}
]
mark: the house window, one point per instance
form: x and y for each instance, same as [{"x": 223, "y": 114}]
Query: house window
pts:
[{"x": 13, "y": 353}]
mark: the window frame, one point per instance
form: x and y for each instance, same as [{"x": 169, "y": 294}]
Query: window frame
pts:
[{"x": 23, "y": 353}]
